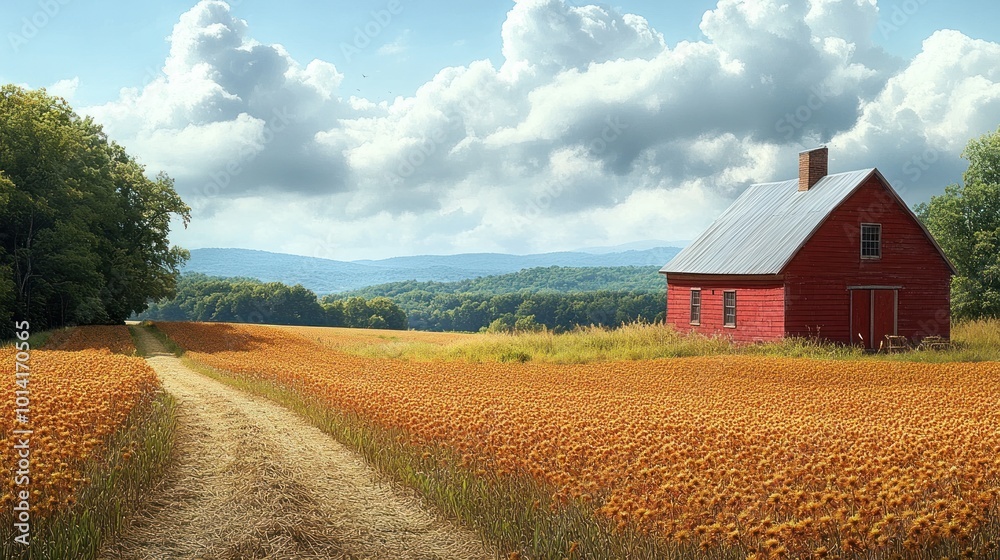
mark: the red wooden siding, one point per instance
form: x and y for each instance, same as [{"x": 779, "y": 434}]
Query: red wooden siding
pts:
[
  {"x": 759, "y": 306},
  {"x": 818, "y": 277}
]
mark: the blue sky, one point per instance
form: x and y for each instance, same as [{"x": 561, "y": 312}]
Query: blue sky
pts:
[
  {"x": 112, "y": 44},
  {"x": 372, "y": 129}
]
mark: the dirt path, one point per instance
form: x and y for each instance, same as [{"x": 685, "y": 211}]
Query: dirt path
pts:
[{"x": 253, "y": 480}]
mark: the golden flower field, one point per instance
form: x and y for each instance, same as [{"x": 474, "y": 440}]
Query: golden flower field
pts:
[
  {"x": 732, "y": 456},
  {"x": 114, "y": 338},
  {"x": 81, "y": 396}
]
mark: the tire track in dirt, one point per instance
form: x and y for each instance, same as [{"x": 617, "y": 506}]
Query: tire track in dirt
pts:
[{"x": 251, "y": 479}]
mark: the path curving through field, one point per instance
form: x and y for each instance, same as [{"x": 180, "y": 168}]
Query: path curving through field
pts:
[{"x": 251, "y": 479}]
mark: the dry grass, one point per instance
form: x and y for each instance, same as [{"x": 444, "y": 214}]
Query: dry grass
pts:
[
  {"x": 972, "y": 342},
  {"x": 583, "y": 345},
  {"x": 982, "y": 335},
  {"x": 393, "y": 343}
]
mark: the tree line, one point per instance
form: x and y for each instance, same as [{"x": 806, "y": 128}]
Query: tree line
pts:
[
  {"x": 563, "y": 279},
  {"x": 248, "y": 300},
  {"x": 525, "y": 310},
  {"x": 83, "y": 230}
]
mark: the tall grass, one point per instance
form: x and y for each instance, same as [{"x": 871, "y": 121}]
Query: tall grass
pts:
[
  {"x": 981, "y": 336},
  {"x": 582, "y": 345},
  {"x": 971, "y": 341},
  {"x": 37, "y": 339}
]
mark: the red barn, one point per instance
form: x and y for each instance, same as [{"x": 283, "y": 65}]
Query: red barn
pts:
[{"x": 836, "y": 256}]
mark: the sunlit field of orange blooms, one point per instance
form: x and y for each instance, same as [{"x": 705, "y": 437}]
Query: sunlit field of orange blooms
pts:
[
  {"x": 115, "y": 338},
  {"x": 734, "y": 456},
  {"x": 77, "y": 400}
]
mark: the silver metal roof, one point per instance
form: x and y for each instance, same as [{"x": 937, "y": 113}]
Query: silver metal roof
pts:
[{"x": 764, "y": 228}]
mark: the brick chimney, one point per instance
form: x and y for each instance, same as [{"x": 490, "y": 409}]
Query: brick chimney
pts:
[{"x": 812, "y": 167}]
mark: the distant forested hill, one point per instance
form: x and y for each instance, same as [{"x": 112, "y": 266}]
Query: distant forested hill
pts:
[
  {"x": 558, "y": 298},
  {"x": 325, "y": 276},
  {"x": 552, "y": 279}
]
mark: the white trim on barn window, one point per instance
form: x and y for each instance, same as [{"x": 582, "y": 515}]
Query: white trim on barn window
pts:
[
  {"x": 695, "y": 306},
  {"x": 729, "y": 308},
  {"x": 871, "y": 241}
]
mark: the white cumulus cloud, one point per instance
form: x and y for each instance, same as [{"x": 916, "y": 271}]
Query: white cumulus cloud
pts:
[{"x": 589, "y": 130}]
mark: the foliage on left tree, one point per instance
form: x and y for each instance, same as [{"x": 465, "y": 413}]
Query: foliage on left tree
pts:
[{"x": 83, "y": 230}]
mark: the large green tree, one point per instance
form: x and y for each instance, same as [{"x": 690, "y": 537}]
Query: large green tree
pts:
[
  {"x": 7, "y": 288},
  {"x": 83, "y": 230},
  {"x": 965, "y": 220}
]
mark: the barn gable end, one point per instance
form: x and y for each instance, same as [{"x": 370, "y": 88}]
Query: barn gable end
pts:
[{"x": 911, "y": 271}]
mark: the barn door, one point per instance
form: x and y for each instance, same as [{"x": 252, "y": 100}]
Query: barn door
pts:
[
  {"x": 883, "y": 315},
  {"x": 861, "y": 312},
  {"x": 873, "y": 315}
]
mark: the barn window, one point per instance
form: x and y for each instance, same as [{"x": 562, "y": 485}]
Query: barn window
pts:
[
  {"x": 696, "y": 306},
  {"x": 871, "y": 241},
  {"x": 729, "y": 309}
]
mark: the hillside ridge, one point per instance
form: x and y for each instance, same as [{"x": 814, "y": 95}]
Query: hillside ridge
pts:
[{"x": 326, "y": 276}]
